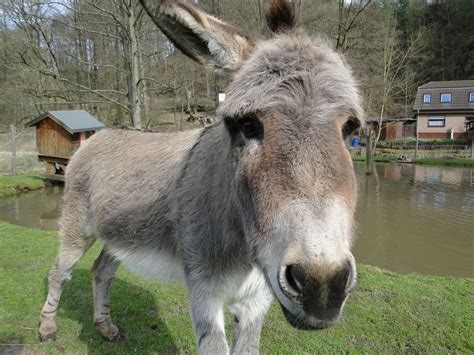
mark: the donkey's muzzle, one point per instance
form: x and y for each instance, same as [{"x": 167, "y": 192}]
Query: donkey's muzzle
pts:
[{"x": 320, "y": 296}]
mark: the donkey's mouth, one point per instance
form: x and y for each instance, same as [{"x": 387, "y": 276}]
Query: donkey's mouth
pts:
[{"x": 303, "y": 322}]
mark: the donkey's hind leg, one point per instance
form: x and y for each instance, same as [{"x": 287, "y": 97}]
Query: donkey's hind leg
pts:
[
  {"x": 70, "y": 251},
  {"x": 103, "y": 273}
]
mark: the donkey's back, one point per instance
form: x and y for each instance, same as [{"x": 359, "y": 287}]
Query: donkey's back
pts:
[{"x": 126, "y": 166}]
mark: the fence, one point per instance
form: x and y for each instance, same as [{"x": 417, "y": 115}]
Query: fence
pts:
[
  {"x": 428, "y": 151},
  {"x": 18, "y": 155},
  {"x": 423, "y": 151},
  {"x": 409, "y": 149}
]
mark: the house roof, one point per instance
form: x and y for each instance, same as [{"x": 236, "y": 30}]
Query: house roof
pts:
[
  {"x": 73, "y": 121},
  {"x": 459, "y": 89},
  {"x": 448, "y": 84}
]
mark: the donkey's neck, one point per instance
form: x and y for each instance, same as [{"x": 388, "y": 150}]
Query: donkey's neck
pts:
[{"x": 206, "y": 201}]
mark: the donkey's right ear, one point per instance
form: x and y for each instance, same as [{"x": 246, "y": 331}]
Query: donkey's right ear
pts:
[{"x": 200, "y": 36}]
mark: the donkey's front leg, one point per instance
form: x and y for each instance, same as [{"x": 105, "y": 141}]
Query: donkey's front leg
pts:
[
  {"x": 249, "y": 307},
  {"x": 208, "y": 320}
]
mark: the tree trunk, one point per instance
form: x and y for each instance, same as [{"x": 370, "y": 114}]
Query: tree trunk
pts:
[
  {"x": 4, "y": 52},
  {"x": 208, "y": 86},
  {"x": 134, "y": 75},
  {"x": 144, "y": 92}
]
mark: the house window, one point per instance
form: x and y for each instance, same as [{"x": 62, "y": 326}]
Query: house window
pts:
[
  {"x": 426, "y": 98},
  {"x": 445, "y": 97},
  {"x": 436, "y": 121},
  {"x": 471, "y": 96}
]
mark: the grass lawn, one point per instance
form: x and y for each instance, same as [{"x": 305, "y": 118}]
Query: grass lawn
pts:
[
  {"x": 12, "y": 184},
  {"x": 388, "y": 313}
]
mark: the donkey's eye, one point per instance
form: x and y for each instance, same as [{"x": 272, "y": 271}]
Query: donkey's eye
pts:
[
  {"x": 251, "y": 128},
  {"x": 349, "y": 127}
]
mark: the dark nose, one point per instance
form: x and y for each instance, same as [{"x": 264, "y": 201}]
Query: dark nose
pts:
[{"x": 321, "y": 296}]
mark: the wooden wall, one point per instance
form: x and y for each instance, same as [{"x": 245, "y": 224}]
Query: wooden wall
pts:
[
  {"x": 53, "y": 140},
  {"x": 394, "y": 130}
]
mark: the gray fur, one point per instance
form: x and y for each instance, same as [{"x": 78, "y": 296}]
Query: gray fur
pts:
[{"x": 228, "y": 215}]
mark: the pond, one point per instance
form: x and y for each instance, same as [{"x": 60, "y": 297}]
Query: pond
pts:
[
  {"x": 415, "y": 218},
  {"x": 412, "y": 218}
]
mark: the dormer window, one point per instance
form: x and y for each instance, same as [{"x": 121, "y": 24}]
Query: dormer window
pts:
[
  {"x": 445, "y": 97},
  {"x": 471, "y": 96},
  {"x": 426, "y": 98}
]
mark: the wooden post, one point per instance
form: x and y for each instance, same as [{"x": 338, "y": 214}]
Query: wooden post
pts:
[
  {"x": 13, "y": 134},
  {"x": 368, "y": 153},
  {"x": 416, "y": 147},
  {"x": 416, "y": 134},
  {"x": 82, "y": 138}
]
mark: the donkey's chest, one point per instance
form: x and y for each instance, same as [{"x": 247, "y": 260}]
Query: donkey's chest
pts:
[{"x": 164, "y": 266}]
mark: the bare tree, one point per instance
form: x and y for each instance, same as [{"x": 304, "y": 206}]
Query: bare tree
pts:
[{"x": 349, "y": 14}]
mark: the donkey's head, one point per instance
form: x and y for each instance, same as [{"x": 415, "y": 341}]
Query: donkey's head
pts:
[{"x": 289, "y": 107}]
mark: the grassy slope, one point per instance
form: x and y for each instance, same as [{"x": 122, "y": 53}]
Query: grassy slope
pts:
[
  {"x": 388, "y": 312},
  {"x": 10, "y": 185}
]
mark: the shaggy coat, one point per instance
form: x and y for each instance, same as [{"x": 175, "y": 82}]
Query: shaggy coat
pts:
[{"x": 260, "y": 204}]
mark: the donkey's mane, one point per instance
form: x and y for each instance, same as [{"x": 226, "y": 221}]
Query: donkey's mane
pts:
[{"x": 280, "y": 16}]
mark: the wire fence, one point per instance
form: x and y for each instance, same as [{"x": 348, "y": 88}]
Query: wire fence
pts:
[
  {"x": 20, "y": 157},
  {"x": 26, "y": 158}
]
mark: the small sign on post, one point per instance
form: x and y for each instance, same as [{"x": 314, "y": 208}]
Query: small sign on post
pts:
[{"x": 221, "y": 97}]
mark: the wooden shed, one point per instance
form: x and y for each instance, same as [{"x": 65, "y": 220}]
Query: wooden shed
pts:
[{"x": 58, "y": 135}]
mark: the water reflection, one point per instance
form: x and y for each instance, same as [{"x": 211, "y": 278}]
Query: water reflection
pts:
[
  {"x": 415, "y": 218},
  {"x": 37, "y": 209}
]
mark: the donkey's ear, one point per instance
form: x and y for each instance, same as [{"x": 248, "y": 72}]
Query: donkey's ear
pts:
[
  {"x": 280, "y": 17},
  {"x": 200, "y": 36}
]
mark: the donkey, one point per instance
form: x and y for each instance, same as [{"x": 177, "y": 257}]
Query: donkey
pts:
[{"x": 257, "y": 205}]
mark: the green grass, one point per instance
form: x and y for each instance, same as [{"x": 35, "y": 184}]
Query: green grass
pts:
[
  {"x": 12, "y": 184},
  {"x": 388, "y": 313},
  {"x": 448, "y": 162}
]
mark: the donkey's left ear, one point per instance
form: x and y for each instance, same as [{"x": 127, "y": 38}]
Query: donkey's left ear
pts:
[{"x": 200, "y": 36}]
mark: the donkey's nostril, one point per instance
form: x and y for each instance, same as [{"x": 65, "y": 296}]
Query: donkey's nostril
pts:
[
  {"x": 289, "y": 283},
  {"x": 292, "y": 280},
  {"x": 351, "y": 278}
]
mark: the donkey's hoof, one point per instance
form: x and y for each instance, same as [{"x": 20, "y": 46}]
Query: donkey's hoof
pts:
[
  {"x": 47, "y": 337},
  {"x": 109, "y": 331},
  {"x": 47, "y": 330}
]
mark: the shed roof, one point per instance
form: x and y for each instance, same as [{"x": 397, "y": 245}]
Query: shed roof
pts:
[{"x": 73, "y": 121}]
